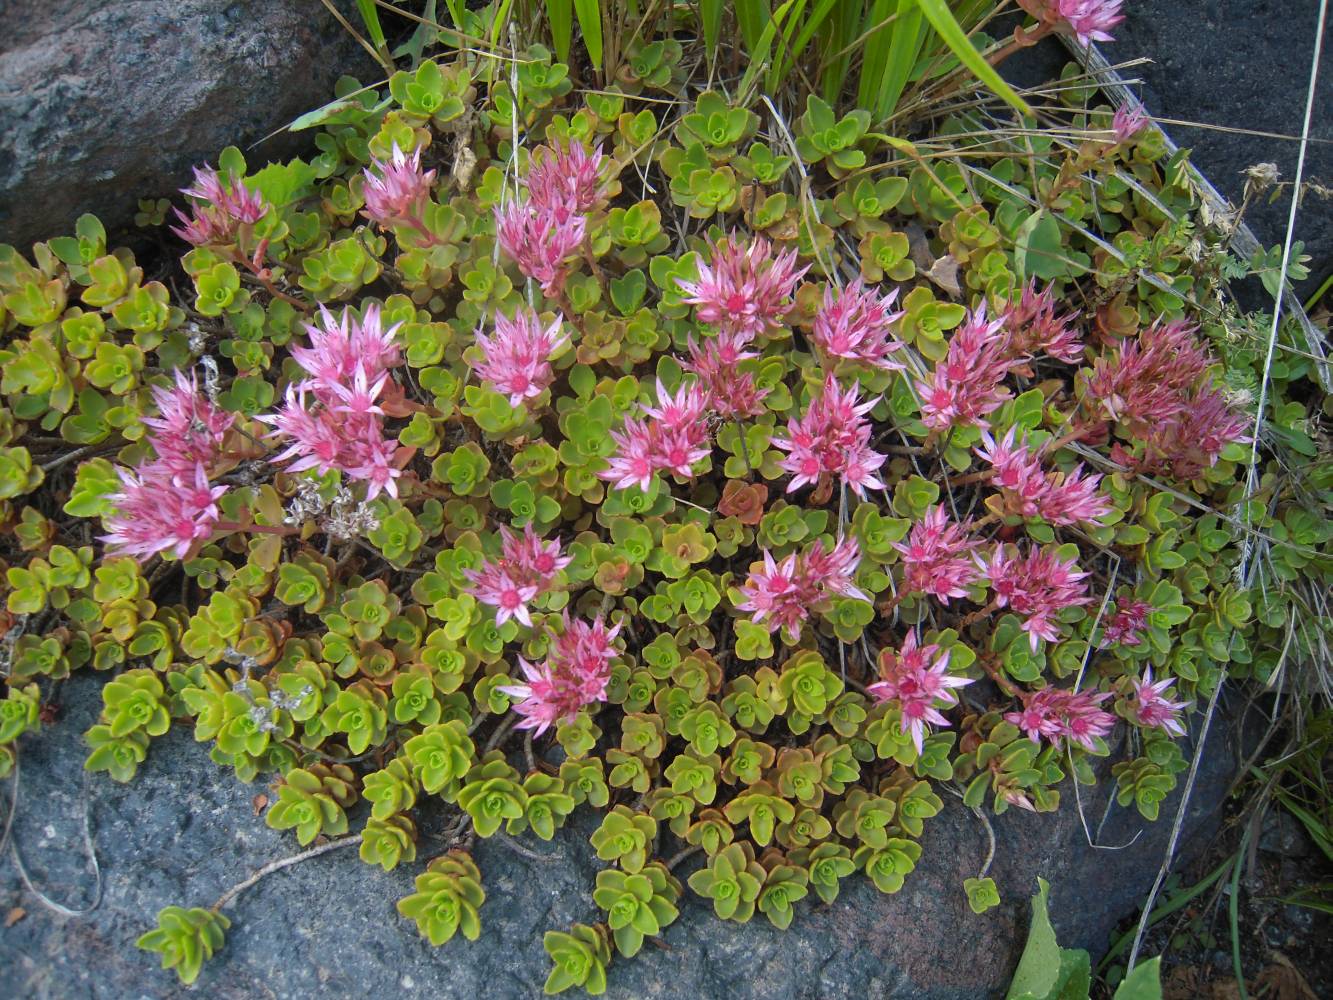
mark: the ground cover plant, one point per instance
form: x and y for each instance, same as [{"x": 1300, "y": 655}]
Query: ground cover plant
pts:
[{"x": 752, "y": 479}]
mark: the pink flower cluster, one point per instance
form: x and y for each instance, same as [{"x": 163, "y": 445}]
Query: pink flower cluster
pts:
[
  {"x": 563, "y": 180},
  {"x": 856, "y": 323},
  {"x": 219, "y": 209},
  {"x": 1146, "y": 380},
  {"x": 673, "y": 438},
  {"x": 1127, "y": 624},
  {"x": 917, "y": 678},
  {"x": 541, "y": 231},
  {"x": 732, "y": 393},
  {"x": 1057, "y": 714},
  {"x": 1127, "y": 122},
  {"x": 517, "y": 357},
  {"x": 168, "y": 504},
  {"x": 784, "y": 594},
  {"x": 1158, "y": 385},
  {"x": 538, "y": 244},
  {"x": 396, "y": 189},
  {"x": 526, "y": 569},
  {"x": 348, "y": 362},
  {"x": 188, "y": 429},
  {"x": 575, "y": 673},
  {"x": 832, "y": 436},
  {"x": 1033, "y": 326},
  {"x": 1037, "y": 586},
  {"x": 937, "y": 557},
  {"x": 1152, "y": 707},
  {"x": 966, "y": 384},
  {"x": 1060, "y": 498},
  {"x": 1194, "y": 439},
  {"x": 156, "y": 513},
  {"x": 744, "y": 290},
  {"x": 1087, "y": 20}
]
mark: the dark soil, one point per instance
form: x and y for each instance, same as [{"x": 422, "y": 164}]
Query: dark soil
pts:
[{"x": 1283, "y": 945}]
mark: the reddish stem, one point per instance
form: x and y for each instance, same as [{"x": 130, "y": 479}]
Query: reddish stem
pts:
[
  {"x": 1022, "y": 40},
  {"x": 593, "y": 266},
  {"x": 265, "y": 277},
  {"x": 977, "y": 615},
  {"x": 1080, "y": 430},
  {"x": 568, "y": 311},
  {"x": 1003, "y": 682},
  {"x": 982, "y": 476}
]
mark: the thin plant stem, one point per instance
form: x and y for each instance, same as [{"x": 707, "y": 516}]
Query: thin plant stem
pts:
[
  {"x": 65, "y": 459},
  {"x": 680, "y": 857},
  {"x": 745, "y": 450},
  {"x": 498, "y": 737},
  {"x": 532, "y": 855},
  {"x": 276, "y": 866},
  {"x": 1001, "y": 681}
]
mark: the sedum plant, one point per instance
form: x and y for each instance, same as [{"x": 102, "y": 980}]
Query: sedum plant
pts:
[
  {"x": 447, "y": 899},
  {"x": 740, "y": 484},
  {"x": 186, "y": 939},
  {"x": 579, "y": 958},
  {"x": 638, "y": 905}
]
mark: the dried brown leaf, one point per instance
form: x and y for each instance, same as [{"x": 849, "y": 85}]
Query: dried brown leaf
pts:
[
  {"x": 1283, "y": 981},
  {"x": 944, "y": 273}
]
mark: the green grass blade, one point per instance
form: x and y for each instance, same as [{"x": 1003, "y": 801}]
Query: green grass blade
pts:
[
  {"x": 812, "y": 24},
  {"x": 1318, "y": 832},
  {"x": 456, "y": 11},
  {"x": 590, "y": 23},
  {"x": 1233, "y": 913},
  {"x": 499, "y": 20},
  {"x": 754, "y": 16},
  {"x": 780, "y": 66},
  {"x": 880, "y": 23},
  {"x": 710, "y": 23},
  {"x": 909, "y": 34},
  {"x": 560, "y": 14},
  {"x": 1174, "y": 902},
  {"x": 837, "y": 60},
  {"x": 370, "y": 17},
  {"x": 947, "y": 27},
  {"x": 759, "y": 54}
]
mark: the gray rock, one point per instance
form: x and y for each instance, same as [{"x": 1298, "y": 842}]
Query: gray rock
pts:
[
  {"x": 104, "y": 103},
  {"x": 1238, "y": 65},
  {"x": 185, "y": 830},
  {"x": 1218, "y": 72}
]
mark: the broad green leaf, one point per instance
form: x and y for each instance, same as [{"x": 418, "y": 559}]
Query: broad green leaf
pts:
[
  {"x": 1039, "y": 967},
  {"x": 559, "y": 13},
  {"x": 590, "y": 23},
  {"x": 1144, "y": 983},
  {"x": 341, "y": 111}
]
